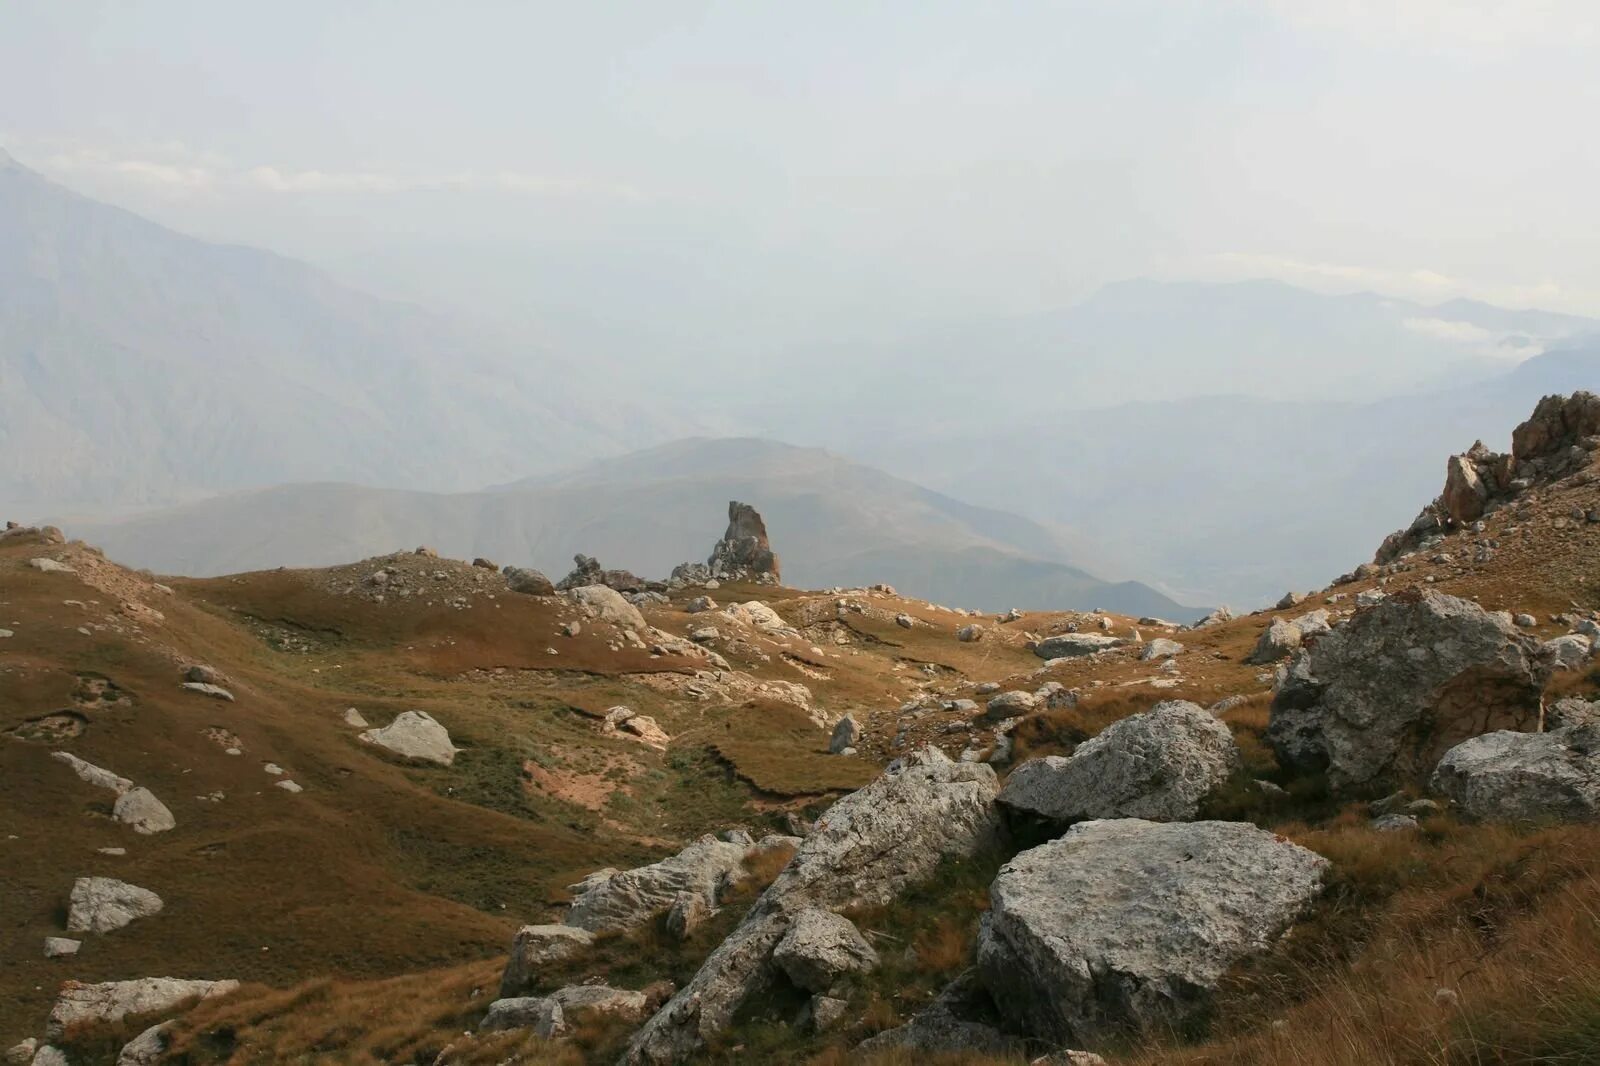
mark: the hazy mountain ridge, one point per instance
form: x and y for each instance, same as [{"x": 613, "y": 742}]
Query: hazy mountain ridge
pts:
[
  {"x": 832, "y": 522},
  {"x": 142, "y": 365}
]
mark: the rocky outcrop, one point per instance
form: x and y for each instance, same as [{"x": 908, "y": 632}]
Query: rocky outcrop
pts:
[
  {"x": 1556, "y": 441},
  {"x": 866, "y": 849},
  {"x": 586, "y": 570},
  {"x": 616, "y": 900},
  {"x": 1126, "y": 926},
  {"x": 606, "y": 605},
  {"x": 104, "y": 904},
  {"x": 1158, "y": 765},
  {"x": 1378, "y": 700},
  {"x": 111, "y": 1001},
  {"x": 819, "y": 948},
  {"x": 535, "y": 947},
  {"x": 1075, "y": 645},
  {"x": 528, "y": 581},
  {"x": 1525, "y": 777},
  {"x": 743, "y": 553},
  {"x": 415, "y": 735},
  {"x": 1571, "y": 711}
]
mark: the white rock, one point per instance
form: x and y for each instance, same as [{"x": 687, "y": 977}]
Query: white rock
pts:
[
  {"x": 1570, "y": 652},
  {"x": 111, "y": 1001},
  {"x": 57, "y": 946},
  {"x": 820, "y": 947},
  {"x": 139, "y": 808},
  {"x": 1159, "y": 765},
  {"x": 352, "y": 718},
  {"x": 415, "y": 735},
  {"x": 542, "y": 1014},
  {"x": 94, "y": 775},
  {"x": 1160, "y": 648},
  {"x": 606, "y": 605},
  {"x": 50, "y": 566},
  {"x": 216, "y": 692},
  {"x": 1517, "y": 777},
  {"x": 102, "y": 904},
  {"x": 288, "y": 786},
  {"x": 1126, "y": 926},
  {"x": 535, "y": 947}
]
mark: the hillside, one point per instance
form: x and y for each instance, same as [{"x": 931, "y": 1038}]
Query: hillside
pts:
[
  {"x": 835, "y": 523},
  {"x": 369, "y": 909},
  {"x": 160, "y": 367}
]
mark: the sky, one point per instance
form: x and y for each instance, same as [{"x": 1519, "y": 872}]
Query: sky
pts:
[{"x": 712, "y": 181}]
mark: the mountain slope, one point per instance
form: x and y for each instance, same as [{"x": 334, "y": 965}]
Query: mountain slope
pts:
[
  {"x": 832, "y": 522},
  {"x": 140, "y": 365}
]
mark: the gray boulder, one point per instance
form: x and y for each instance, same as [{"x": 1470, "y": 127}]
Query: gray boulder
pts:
[
  {"x": 201, "y": 688},
  {"x": 577, "y": 1000},
  {"x": 528, "y": 581},
  {"x": 606, "y": 604},
  {"x": 1285, "y": 635},
  {"x": 969, "y": 634},
  {"x": 1570, "y": 652},
  {"x": 111, "y": 1001},
  {"x": 1074, "y": 645},
  {"x": 542, "y": 1014},
  {"x": 146, "y": 1049},
  {"x": 617, "y": 900},
  {"x": 1571, "y": 711},
  {"x": 1525, "y": 777},
  {"x": 535, "y": 947},
  {"x": 415, "y": 735},
  {"x": 1125, "y": 926},
  {"x": 821, "y": 947},
  {"x": 1377, "y": 701},
  {"x": 845, "y": 735},
  {"x": 139, "y": 808},
  {"x": 1160, "y": 648},
  {"x": 1159, "y": 765},
  {"x": 1010, "y": 705},
  {"x": 865, "y": 850},
  {"x": 104, "y": 904},
  {"x": 56, "y": 947}
]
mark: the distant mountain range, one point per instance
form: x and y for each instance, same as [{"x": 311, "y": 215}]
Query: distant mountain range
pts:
[
  {"x": 138, "y": 365},
  {"x": 832, "y": 522}
]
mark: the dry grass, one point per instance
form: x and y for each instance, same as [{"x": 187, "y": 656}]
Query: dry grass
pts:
[{"x": 785, "y": 754}]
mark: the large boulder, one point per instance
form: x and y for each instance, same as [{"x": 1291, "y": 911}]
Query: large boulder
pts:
[
  {"x": 1525, "y": 777},
  {"x": 536, "y": 947},
  {"x": 104, "y": 904},
  {"x": 1464, "y": 490},
  {"x": 1126, "y": 926},
  {"x": 606, "y": 605},
  {"x": 1377, "y": 701},
  {"x": 1159, "y": 765},
  {"x": 743, "y": 553},
  {"x": 821, "y": 947},
  {"x": 111, "y": 1001},
  {"x": 528, "y": 581},
  {"x": 865, "y": 850},
  {"x": 1075, "y": 645},
  {"x": 612, "y": 900},
  {"x": 415, "y": 735}
]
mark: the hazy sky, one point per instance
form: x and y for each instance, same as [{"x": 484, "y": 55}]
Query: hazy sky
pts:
[{"x": 744, "y": 175}]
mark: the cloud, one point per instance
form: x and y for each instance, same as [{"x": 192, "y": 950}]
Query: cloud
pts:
[
  {"x": 1469, "y": 25},
  {"x": 178, "y": 169},
  {"x": 1421, "y": 284},
  {"x": 1446, "y": 330}
]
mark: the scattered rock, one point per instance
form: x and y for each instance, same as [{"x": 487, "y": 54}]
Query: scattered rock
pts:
[
  {"x": 50, "y": 566},
  {"x": 587, "y": 572},
  {"x": 961, "y": 1018},
  {"x": 1159, "y": 765},
  {"x": 1126, "y": 926},
  {"x": 92, "y": 774},
  {"x": 353, "y": 718},
  {"x": 1570, "y": 712},
  {"x": 288, "y": 786},
  {"x": 1390, "y": 823},
  {"x": 689, "y": 910},
  {"x": 216, "y": 692},
  {"x": 1160, "y": 648},
  {"x": 1074, "y": 645},
  {"x": 904, "y": 621},
  {"x": 57, "y": 946},
  {"x": 577, "y": 1000},
  {"x": 104, "y": 904},
  {"x": 1010, "y": 705},
  {"x": 202, "y": 674},
  {"x": 535, "y": 947},
  {"x": 607, "y": 605},
  {"x": 1570, "y": 652},
  {"x": 542, "y": 1014},
  {"x": 111, "y": 1001},
  {"x": 612, "y": 900},
  {"x": 1283, "y": 636},
  {"x": 824, "y": 1013},
  {"x": 415, "y": 735},
  {"x": 528, "y": 581},
  {"x": 845, "y": 735},
  {"x": 820, "y": 947},
  {"x": 139, "y": 808},
  {"x": 969, "y": 634},
  {"x": 700, "y": 604},
  {"x": 1291, "y": 599},
  {"x": 1525, "y": 777},
  {"x": 146, "y": 1049},
  {"x": 22, "y": 1054},
  {"x": 1378, "y": 700}
]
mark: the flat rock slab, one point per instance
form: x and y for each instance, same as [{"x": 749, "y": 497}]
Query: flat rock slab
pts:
[
  {"x": 1525, "y": 777},
  {"x": 1124, "y": 927}
]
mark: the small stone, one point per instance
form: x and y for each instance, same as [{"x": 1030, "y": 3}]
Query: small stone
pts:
[
  {"x": 57, "y": 946},
  {"x": 288, "y": 786},
  {"x": 1390, "y": 823}
]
